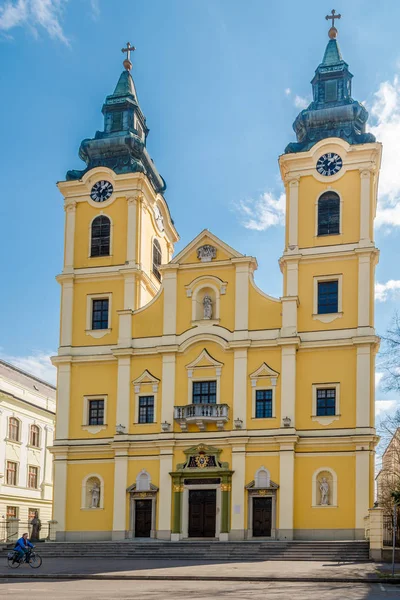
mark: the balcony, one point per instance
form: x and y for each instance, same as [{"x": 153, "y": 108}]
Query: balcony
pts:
[{"x": 200, "y": 414}]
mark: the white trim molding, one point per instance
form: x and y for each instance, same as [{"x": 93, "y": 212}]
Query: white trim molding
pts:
[
  {"x": 211, "y": 364},
  {"x": 325, "y": 420},
  {"x": 85, "y": 417},
  {"x": 333, "y": 493},
  {"x": 97, "y": 333},
  {"x": 145, "y": 379},
  {"x": 328, "y": 317},
  {"x": 263, "y": 378}
]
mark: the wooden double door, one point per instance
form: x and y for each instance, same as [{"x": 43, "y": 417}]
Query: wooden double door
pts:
[
  {"x": 202, "y": 513},
  {"x": 262, "y": 517}
]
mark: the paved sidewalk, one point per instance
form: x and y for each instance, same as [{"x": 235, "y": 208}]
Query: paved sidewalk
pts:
[{"x": 201, "y": 570}]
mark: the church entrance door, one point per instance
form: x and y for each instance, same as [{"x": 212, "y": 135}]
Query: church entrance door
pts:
[
  {"x": 262, "y": 517},
  {"x": 202, "y": 513},
  {"x": 143, "y": 518}
]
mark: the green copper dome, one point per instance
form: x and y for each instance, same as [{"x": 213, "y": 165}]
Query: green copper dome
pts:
[
  {"x": 122, "y": 145},
  {"x": 333, "y": 112}
]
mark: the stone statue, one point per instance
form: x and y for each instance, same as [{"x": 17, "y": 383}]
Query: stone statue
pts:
[
  {"x": 95, "y": 493},
  {"x": 36, "y": 527},
  {"x": 324, "y": 489},
  {"x": 207, "y": 305}
]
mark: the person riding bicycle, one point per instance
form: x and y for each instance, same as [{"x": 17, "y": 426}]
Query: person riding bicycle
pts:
[{"x": 23, "y": 546}]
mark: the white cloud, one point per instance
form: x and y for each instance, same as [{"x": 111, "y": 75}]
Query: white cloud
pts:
[
  {"x": 37, "y": 363},
  {"x": 378, "y": 378},
  {"x": 288, "y": 91},
  {"x": 384, "y": 406},
  {"x": 301, "y": 102},
  {"x": 385, "y": 115},
  {"x": 34, "y": 14},
  {"x": 267, "y": 211},
  {"x": 95, "y": 7},
  {"x": 383, "y": 291}
]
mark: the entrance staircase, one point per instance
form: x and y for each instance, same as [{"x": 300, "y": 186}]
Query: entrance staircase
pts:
[{"x": 215, "y": 551}]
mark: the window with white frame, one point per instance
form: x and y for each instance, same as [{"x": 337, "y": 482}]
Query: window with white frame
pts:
[
  {"x": 14, "y": 429},
  {"x": 327, "y": 304},
  {"x": 325, "y": 402},
  {"x": 33, "y": 477},
  {"x": 98, "y": 314},
  {"x": 146, "y": 409},
  {"x": 263, "y": 404},
  {"x": 204, "y": 392},
  {"x": 11, "y": 473},
  {"x": 34, "y": 436}
]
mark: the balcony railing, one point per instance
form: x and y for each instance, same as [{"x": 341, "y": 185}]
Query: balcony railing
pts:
[{"x": 200, "y": 414}]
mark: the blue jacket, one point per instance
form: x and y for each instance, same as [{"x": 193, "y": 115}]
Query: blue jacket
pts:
[{"x": 23, "y": 544}]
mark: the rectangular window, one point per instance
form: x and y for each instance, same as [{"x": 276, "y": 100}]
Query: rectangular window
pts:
[
  {"x": 33, "y": 477},
  {"x": 204, "y": 392},
  {"x": 326, "y": 402},
  {"x": 146, "y": 409},
  {"x": 13, "y": 429},
  {"x": 12, "y": 512},
  {"x": 139, "y": 129},
  {"x": 96, "y": 412},
  {"x": 263, "y": 404},
  {"x": 330, "y": 91},
  {"x": 34, "y": 436},
  {"x": 11, "y": 473},
  {"x": 328, "y": 297},
  {"x": 100, "y": 313}
]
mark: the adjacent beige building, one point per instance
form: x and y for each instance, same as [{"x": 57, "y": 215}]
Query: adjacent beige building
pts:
[{"x": 27, "y": 415}]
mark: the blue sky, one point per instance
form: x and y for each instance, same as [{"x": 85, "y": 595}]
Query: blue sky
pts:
[{"x": 220, "y": 82}]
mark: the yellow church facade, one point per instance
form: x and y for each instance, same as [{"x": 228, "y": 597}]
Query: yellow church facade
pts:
[{"x": 191, "y": 404}]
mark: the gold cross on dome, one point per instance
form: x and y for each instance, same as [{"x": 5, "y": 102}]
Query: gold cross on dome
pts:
[
  {"x": 332, "y": 17},
  {"x": 128, "y": 50}
]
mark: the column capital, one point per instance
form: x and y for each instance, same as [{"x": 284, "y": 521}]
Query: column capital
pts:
[{"x": 70, "y": 206}]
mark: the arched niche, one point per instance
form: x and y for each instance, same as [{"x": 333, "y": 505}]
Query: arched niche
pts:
[
  {"x": 92, "y": 492},
  {"x": 324, "y": 488}
]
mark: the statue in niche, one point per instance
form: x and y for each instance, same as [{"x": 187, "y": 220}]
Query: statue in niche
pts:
[
  {"x": 95, "y": 494},
  {"x": 207, "y": 307},
  {"x": 324, "y": 489},
  {"x": 36, "y": 527}
]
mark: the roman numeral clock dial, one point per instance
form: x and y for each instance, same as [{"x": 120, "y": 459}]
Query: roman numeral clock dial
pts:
[
  {"x": 329, "y": 164},
  {"x": 101, "y": 191}
]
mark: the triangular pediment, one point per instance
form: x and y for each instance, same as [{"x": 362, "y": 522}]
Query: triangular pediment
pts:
[
  {"x": 264, "y": 371},
  {"x": 204, "y": 360},
  {"x": 219, "y": 250},
  {"x": 146, "y": 377}
]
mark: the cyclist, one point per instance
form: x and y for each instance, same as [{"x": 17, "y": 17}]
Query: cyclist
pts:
[{"x": 23, "y": 546}]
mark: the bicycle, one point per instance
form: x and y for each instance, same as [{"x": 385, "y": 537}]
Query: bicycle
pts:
[{"x": 32, "y": 558}]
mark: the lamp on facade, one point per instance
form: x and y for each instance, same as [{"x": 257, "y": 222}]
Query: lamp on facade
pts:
[
  {"x": 165, "y": 426},
  {"x": 238, "y": 423},
  {"x": 120, "y": 429},
  {"x": 287, "y": 421}
]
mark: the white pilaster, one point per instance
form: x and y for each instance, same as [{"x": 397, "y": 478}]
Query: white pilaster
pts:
[
  {"x": 60, "y": 494},
  {"x": 70, "y": 210},
  {"x": 365, "y": 207},
  {"x": 364, "y": 292},
  {"x": 130, "y": 291},
  {"x": 63, "y": 400},
  {"x": 238, "y": 492},
  {"x": 363, "y": 394},
  {"x": 242, "y": 298},
  {"x": 292, "y": 278},
  {"x": 165, "y": 494},
  {"x": 123, "y": 391},
  {"x": 47, "y": 484},
  {"x": 168, "y": 388},
  {"x": 120, "y": 494},
  {"x": 288, "y": 383},
  {"x": 362, "y": 485},
  {"x": 67, "y": 305},
  {"x": 240, "y": 385},
  {"x": 131, "y": 239},
  {"x": 125, "y": 328},
  {"x": 286, "y": 491},
  {"x": 293, "y": 241},
  {"x": 289, "y": 316},
  {"x": 170, "y": 302}
]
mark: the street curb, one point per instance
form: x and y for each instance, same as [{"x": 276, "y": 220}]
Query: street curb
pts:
[{"x": 90, "y": 576}]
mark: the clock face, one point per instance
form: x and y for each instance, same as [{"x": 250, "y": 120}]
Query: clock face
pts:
[
  {"x": 159, "y": 218},
  {"x": 329, "y": 164},
  {"x": 101, "y": 191}
]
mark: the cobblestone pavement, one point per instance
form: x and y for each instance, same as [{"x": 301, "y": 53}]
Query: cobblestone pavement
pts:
[{"x": 198, "y": 590}]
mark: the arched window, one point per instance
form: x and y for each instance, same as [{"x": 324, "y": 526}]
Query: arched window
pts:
[
  {"x": 100, "y": 238},
  {"x": 329, "y": 214},
  {"x": 13, "y": 429},
  {"x": 157, "y": 259},
  {"x": 34, "y": 436}
]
